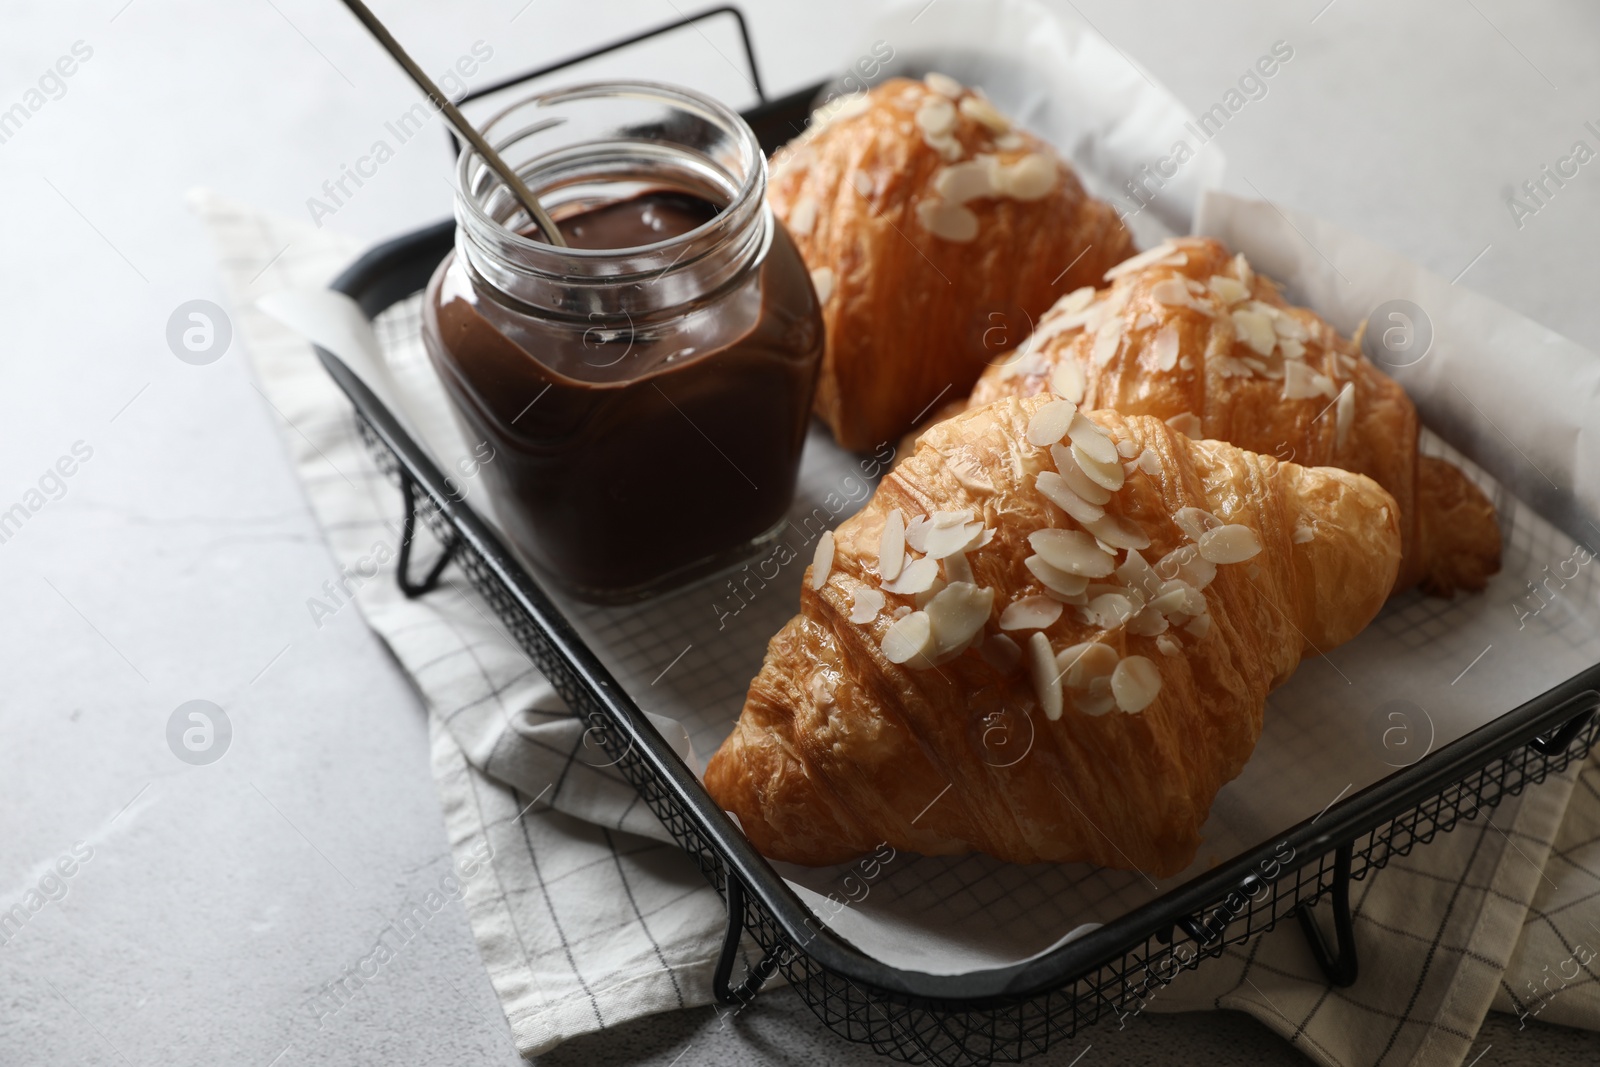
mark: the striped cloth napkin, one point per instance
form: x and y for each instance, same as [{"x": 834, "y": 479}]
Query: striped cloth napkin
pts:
[{"x": 587, "y": 915}]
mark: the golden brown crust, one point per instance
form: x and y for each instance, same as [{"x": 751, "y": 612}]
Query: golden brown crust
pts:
[
  {"x": 911, "y": 315},
  {"x": 1210, "y": 376},
  {"x": 839, "y": 749}
]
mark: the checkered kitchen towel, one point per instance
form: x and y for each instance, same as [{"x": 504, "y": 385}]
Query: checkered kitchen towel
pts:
[{"x": 588, "y": 916}]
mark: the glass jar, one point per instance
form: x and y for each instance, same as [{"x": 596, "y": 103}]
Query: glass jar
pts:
[{"x": 646, "y": 391}]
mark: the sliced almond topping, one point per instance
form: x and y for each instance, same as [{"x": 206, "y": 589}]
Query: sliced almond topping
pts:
[
  {"x": 1344, "y": 414},
  {"x": 1066, "y": 381},
  {"x": 1110, "y": 610},
  {"x": 935, "y": 587},
  {"x": 1076, "y": 479},
  {"x": 1058, "y": 492},
  {"x": 1194, "y": 522},
  {"x": 943, "y": 84},
  {"x": 1031, "y": 613},
  {"x": 1170, "y": 291},
  {"x": 1200, "y": 625},
  {"x": 1255, "y": 330},
  {"x": 1135, "y": 683},
  {"x": 1229, "y": 544},
  {"x": 1187, "y": 424},
  {"x": 803, "y": 216},
  {"x": 1072, "y": 551},
  {"x": 1046, "y": 679},
  {"x": 909, "y": 639},
  {"x": 1082, "y": 663},
  {"x": 1106, "y": 342},
  {"x": 865, "y": 605},
  {"x": 946, "y": 145},
  {"x": 1299, "y": 381},
  {"x": 1106, "y": 475},
  {"x": 957, "y": 613},
  {"x": 1178, "y": 597},
  {"x": 1167, "y": 646},
  {"x": 1291, "y": 349},
  {"x": 936, "y": 116},
  {"x": 1091, "y": 440},
  {"x": 971, "y": 180},
  {"x": 946, "y": 540},
  {"x": 892, "y": 546},
  {"x": 861, "y": 182},
  {"x": 946, "y": 519},
  {"x": 1165, "y": 347},
  {"x": 1049, "y": 424},
  {"x": 822, "y": 282},
  {"x": 1029, "y": 178},
  {"x": 1227, "y": 289},
  {"x": 1137, "y": 573},
  {"x": 1010, "y": 142},
  {"x": 1241, "y": 269},
  {"x": 952, "y": 222},
  {"x": 1055, "y": 579},
  {"x": 1150, "y": 462},
  {"x": 918, "y": 577},
  {"x": 1118, "y": 532},
  {"x": 822, "y": 560},
  {"x": 1288, "y": 327},
  {"x": 1141, "y": 261},
  {"x": 1304, "y": 534},
  {"x": 917, "y": 533},
  {"x": 1185, "y": 562},
  {"x": 981, "y": 111},
  {"x": 957, "y": 568},
  {"x": 1148, "y": 623},
  {"x": 1127, "y": 448},
  {"x": 1073, "y": 302}
]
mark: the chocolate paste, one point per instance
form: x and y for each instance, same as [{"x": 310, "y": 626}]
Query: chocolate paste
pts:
[{"x": 625, "y": 459}]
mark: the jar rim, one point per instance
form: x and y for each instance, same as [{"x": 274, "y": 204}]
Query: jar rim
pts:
[{"x": 751, "y": 184}]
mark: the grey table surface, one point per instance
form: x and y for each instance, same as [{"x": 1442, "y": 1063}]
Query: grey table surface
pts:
[{"x": 175, "y": 563}]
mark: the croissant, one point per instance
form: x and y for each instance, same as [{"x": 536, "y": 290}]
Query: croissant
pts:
[
  {"x": 1048, "y": 636},
  {"x": 932, "y": 228},
  {"x": 1189, "y": 333}
]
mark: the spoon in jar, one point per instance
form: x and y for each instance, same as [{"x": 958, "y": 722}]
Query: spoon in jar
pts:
[{"x": 524, "y": 195}]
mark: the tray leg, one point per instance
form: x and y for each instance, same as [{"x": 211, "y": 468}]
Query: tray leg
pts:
[
  {"x": 746, "y": 990},
  {"x": 1557, "y": 741},
  {"x": 1339, "y": 968},
  {"x": 412, "y": 590}
]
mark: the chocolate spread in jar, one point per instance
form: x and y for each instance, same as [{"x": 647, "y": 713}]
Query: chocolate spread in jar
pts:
[{"x": 628, "y": 458}]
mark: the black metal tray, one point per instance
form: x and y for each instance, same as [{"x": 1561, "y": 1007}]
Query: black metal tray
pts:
[{"x": 1005, "y": 1013}]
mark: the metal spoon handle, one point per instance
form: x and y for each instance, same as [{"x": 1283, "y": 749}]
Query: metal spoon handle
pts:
[{"x": 524, "y": 195}]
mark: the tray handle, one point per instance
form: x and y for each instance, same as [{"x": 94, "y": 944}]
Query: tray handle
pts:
[{"x": 745, "y": 991}]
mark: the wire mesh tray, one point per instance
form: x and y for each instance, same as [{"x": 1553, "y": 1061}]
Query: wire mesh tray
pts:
[{"x": 1004, "y": 1012}]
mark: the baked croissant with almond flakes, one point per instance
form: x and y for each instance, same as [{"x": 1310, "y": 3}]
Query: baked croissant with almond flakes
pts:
[
  {"x": 1117, "y": 597},
  {"x": 931, "y": 227},
  {"x": 1189, "y": 333}
]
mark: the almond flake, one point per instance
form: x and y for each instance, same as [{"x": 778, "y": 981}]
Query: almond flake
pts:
[
  {"x": 1288, "y": 327},
  {"x": 1291, "y": 349},
  {"x": 1148, "y": 623},
  {"x": 1118, "y": 532},
  {"x": 1299, "y": 381},
  {"x": 957, "y": 568},
  {"x": 1029, "y": 178},
  {"x": 1046, "y": 678},
  {"x": 1255, "y": 330},
  {"x": 865, "y": 605},
  {"x": 960, "y": 182},
  {"x": 892, "y": 545},
  {"x": 1076, "y": 479},
  {"x": 1170, "y": 291},
  {"x": 1135, "y": 683},
  {"x": 957, "y": 613},
  {"x": 1106, "y": 342},
  {"x": 1072, "y": 303},
  {"x": 822, "y": 560},
  {"x": 1227, "y": 289},
  {"x": 822, "y": 282},
  {"x": 1055, "y": 579},
  {"x": 1241, "y": 269},
  {"x": 1127, "y": 448},
  {"x": 1186, "y": 563},
  {"x": 1178, "y": 597},
  {"x": 909, "y": 639},
  {"x": 1066, "y": 381},
  {"x": 986, "y": 114},
  {"x": 1141, "y": 261},
  {"x": 1303, "y": 535},
  {"x": 802, "y": 216},
  {"x": 1137, "y": 573},
  {"x": 1108, "y": 611},
  {"x": 917, "y": 533},
  {"x": 1081, "y": 664},
  {"x": 1229, "y": 544},
  {"x": 1345, "y": 414},
  {"x": 918, "y": 577},
  {"x": 1049, "y": 423},
  {"x": 947, "y": 540},
  {"x": 1058, "y": 492},
  {"x": 1109, "y": 475},
  {"x": 1072, "y": 551},
  {"x": 1165, "y": 347},
  {"x": 1167, "y": 646},
  {"x": 952, "y": 222},
  {"x": 1187, "y": 424},
  {"x": 1090, "y": 439},
  {"x": 936, "y": 116},
  {"x": 1150, "y": 462},
  {"x": 922, "y": 597},
  {"x": 943, "y": 84},
  {"x": 1031, "y": 613},
  {"x": 1200, "y": 625}
]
